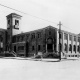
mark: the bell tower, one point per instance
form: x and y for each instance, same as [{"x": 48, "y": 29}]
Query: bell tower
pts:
[{"x": 13, "y": 26}]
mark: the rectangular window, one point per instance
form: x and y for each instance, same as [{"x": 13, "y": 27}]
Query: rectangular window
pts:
[
  {"x": 16, "y": 22},
  {"x": 39, "y": 47},
  {"x": 18, "y": 38},
  {"x": 22, "y": 37},
  {"x": 74, "y": 38},
  {"x": 39, "y": 34},
  {"x": 20, "y": 48},
  {"x": 33, "y": 48},
  {"x": 9, "y": 21},
  {"x": 33, "y": 36},
  {"x": 49, "y": 32},
  {"x": 65, "y": 36},
  {"x": 78, "y": 39},
  {"x": 70, "y": 37},
  {"x": 14, "y": 39}
]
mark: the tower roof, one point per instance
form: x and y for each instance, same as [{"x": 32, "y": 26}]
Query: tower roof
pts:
[{"x": 13, "y": 14}]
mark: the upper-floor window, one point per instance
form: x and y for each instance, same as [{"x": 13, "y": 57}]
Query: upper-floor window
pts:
[
  {"x": 9, "y": 21},
  {"x": 16, "y": 22},
  {"x": 65, "y": 36},
  {"x": 70, "y": 37},
  {"x": 14, "y": 39},
  {"x": 78, "y": 39},
  {"x": 49, "y": 32},
  {"x": 33, "y": 36},
  {"x": 74, "y": 38},
  {"x": 18, "y": 38},
  {"x": 39, "y": 34},
  {"x": 22, "y": 37}
]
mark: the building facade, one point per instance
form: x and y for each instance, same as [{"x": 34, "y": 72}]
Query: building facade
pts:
[{"x": 44, "y": 41}]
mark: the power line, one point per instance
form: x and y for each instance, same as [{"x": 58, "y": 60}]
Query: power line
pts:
[
  {"x": 31, "y": 15},
  {"x": 27, "y": 13}
]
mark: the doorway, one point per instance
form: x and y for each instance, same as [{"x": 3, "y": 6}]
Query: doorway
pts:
[
  {"x": 50, "y": 45},
  {"x": 14, "y": 48}
]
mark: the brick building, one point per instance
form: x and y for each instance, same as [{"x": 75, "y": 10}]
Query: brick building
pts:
[{"x": 45, "y": 40}]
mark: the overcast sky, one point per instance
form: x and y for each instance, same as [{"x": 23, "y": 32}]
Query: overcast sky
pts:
[{"x": 66, "y": 11}]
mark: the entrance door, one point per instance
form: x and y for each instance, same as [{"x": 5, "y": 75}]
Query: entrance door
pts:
[
  {"x": 50, "y": 45},
  {"x": 14, "y": 48}
]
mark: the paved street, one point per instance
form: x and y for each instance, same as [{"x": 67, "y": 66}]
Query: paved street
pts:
[{"x": 27, "y": 69}]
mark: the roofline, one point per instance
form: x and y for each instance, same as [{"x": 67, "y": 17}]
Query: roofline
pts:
[{"x": 13, "y": 14}]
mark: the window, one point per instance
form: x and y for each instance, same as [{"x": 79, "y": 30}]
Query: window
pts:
[
  {"x": 49, "y": 32},
  {"x": 20, "y": 48},
  {"x": 70, "y": 37},
  {"x": 70, "y": 47},
  {"x": 74, "y": 48},
  {"x": 78, "y": 48},
  {"x": 39, "y": 47},
  {"x": 74, "y": 38},
  {"x": 78, "y": 39},
  {"x": 33, "y": 36},
  {"x": 14, "y": 39},
  {"x": 16, "y": 22},
  {"x": 65, "y": 36},
  {"x": 22, "y": 38},
  {"x": 9, "y": 21},
  {"x": 65, "y": 45},
  {"x": 33, "y": 48},
  {"x": 18, "y": 38},
  {"x": 39, "y": 34}
]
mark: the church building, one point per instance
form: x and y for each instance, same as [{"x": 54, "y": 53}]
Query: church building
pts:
[{"x": 44, "y": 41}]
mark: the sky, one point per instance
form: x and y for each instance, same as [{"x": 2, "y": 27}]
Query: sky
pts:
[{"x": 66, "y": 11}]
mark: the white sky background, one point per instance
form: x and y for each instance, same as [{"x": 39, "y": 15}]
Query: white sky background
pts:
[{"x": 66, "y": 11}]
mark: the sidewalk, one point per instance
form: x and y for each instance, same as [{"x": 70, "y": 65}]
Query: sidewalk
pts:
[{"x": 40, "y": 59}]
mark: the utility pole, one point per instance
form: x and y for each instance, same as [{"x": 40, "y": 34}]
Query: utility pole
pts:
[{"x": 59, "y": 40}]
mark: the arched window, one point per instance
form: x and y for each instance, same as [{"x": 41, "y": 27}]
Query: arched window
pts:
[
  {"x": 70, "y": 47},
  {"x": 65, "y": 47},
  {"x": 74, "y": 48}
]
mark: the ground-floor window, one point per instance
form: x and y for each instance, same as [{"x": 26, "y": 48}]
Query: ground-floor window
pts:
[
  {"x": 70, "y": 47},
  {"x": 33, "y": 48},
  {"x": 65, "y": 47},
  {"x": 20, "y": 48},
  {"x": 78, "y": 48},
  {"x": 39, "y": 47},
  {"x": 74, "y": 48}
]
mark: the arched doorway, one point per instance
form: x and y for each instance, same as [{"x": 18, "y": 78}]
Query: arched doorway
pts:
[{"x": 50, "y": 45}]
